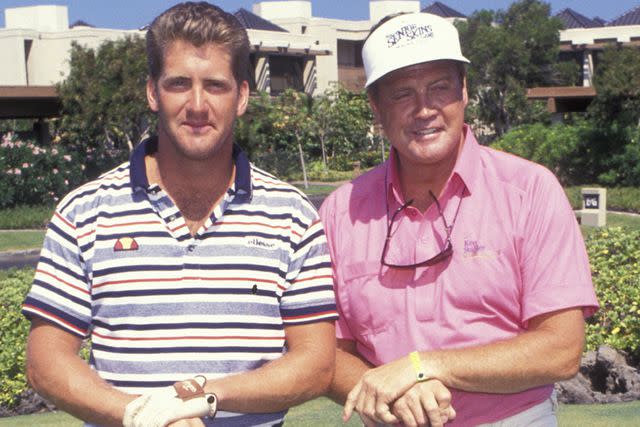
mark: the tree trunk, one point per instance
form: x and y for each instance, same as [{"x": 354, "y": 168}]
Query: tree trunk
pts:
[
  {"x": 304, "y": 169},
  {"x": 324, "y": 152}
]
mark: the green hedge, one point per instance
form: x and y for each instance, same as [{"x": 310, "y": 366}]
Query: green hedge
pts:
[
  {"x": 13, "y": 332},
  {"x": 614, "y": 255}
]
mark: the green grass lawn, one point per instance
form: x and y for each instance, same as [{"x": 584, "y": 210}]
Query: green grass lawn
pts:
[
  {"x": 324, "y": 413},
  {"x": 20, "y": 240},
  {"x": 315, "y": 189}
]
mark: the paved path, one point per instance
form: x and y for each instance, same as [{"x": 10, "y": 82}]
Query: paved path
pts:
[{"x": 19, "y": 259}]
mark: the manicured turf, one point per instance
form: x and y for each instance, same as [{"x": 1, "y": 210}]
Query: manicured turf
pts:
[
  {"x": 324, "y": 413},
  {"x": 21, "y": 240}
]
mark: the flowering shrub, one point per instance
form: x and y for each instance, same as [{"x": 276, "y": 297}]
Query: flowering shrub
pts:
[{"x": 35, "y": 175}]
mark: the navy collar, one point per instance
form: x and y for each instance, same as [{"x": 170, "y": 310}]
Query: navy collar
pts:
[{"x": 138, "y": 171}]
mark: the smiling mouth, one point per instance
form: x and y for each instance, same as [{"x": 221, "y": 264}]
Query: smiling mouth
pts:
[
  {"x": 198, "y": 127},
  {"x": 426, "y": 132}
]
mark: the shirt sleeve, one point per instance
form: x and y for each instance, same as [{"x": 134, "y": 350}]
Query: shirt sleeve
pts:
[
  {"x": 60, "y": 291},
  {"x": 309, "y": 297},
  {"x": 555, "y": 268}
]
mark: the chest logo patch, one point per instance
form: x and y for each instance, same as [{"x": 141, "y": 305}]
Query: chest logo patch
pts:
[
  {"x": 260, "y": 243},
  {"x": 473, "y": 249},
  {"x": 126, "y": 244}
]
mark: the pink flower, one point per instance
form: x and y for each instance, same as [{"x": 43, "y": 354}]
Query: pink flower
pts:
[
  {"x": 54, "y": 151},
  {"x": 17, "y": 171},
  {"x": 25, "y": 165},
  {"x": 67, "y": 157},
  {"x": 55, "y": 171}
]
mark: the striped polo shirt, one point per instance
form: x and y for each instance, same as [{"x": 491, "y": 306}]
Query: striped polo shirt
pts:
[{"x": 119, "y": 266}]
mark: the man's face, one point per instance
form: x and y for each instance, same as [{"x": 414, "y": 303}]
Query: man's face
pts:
[
  {"x": 197, "y": 100},
  {"x": 421, "y": 108}
]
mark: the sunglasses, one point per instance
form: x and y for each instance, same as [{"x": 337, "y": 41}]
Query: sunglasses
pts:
[{"x": 444, "y": 254}]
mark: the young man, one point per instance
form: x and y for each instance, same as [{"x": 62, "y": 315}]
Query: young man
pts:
[
  {"x": 460, "y": 272},
  {"x": 203, "y": 282}
]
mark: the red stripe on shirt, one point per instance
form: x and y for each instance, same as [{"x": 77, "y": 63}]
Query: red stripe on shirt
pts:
[
  {"x": 50, "y": 316},
  {"x": 126, "y": 224},
  {"x": 84, "y": 291},
  {"x": 186, "y": 338},
  {"x": 327, "y": 276},
  {"x": 281, "y": 227},
  {"x": 61, "y": 218},
  {"x": 311, "y": 316},
  {"x": 179, "y": 279}
]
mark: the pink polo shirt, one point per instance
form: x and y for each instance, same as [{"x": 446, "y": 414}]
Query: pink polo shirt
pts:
[{"x": 517, "y": 253}]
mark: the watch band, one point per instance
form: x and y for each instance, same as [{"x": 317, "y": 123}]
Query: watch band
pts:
[{"x": 421, "y": 376}]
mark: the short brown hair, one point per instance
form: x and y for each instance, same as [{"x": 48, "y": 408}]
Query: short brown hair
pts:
[{"x": 198, "y": 23}]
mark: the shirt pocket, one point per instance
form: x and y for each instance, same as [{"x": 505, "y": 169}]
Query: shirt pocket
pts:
[{"x": 372, "y": 306}]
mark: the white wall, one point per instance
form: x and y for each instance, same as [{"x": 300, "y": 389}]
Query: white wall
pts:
[
  {"x": 282, "y": 9},
  {"x": 381, "y": 8},
  {"x": 589, "y": 35},
  {"x": 39, "y": 18},
  {"x": 13, "y": 70}
]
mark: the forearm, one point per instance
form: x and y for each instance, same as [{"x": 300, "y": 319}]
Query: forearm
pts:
[
  {"x": 303, "y": 373},
  {"x": 534, "y": 358},
  {"x": 349, "y": 369},
  {"x": 66, "y": 380}
]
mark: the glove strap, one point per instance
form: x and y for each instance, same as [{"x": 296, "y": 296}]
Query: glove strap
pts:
[{"x": 188, "y": 389}]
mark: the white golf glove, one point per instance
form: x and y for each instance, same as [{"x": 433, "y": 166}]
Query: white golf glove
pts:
[{"x": 184, "y": 399}]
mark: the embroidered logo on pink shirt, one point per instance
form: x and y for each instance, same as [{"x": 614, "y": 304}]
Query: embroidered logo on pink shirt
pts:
[{"x": 473, "y": 249}]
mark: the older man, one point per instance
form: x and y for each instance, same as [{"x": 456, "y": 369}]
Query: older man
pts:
[
  {"x": 461, "y": 275},
  {"x": 203, "y": 282}
]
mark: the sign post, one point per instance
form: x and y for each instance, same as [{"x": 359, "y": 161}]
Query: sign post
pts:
[{"x": 594, "y": 207}]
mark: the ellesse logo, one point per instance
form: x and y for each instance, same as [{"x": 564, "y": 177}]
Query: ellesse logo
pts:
[{"x": 126, "y": 244}]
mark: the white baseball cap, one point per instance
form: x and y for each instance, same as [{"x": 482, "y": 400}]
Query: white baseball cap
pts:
[{"x": 409, "y": 39}]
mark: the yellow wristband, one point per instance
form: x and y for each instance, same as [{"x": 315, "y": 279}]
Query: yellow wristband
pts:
[{"x": 417, "y": 366}]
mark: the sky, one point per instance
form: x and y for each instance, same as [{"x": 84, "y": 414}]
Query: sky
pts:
[{"x": 132, "y": 14}]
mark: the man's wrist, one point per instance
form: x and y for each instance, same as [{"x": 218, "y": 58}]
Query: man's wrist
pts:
[
  {"x": 418, "y": 367},
  {"x": 194, "y": 388}
]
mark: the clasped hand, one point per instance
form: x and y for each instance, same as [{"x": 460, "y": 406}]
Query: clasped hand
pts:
[
  {"x": 389, "y": 394},
  {"x": 161, "y": 407}
]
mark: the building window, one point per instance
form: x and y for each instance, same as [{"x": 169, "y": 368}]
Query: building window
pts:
[
  {"x": 286, "y": 72},
  {"x": 350, "y": 53}
]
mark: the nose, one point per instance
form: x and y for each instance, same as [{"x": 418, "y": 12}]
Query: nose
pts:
[
  {"x": 197, "y": 100},
  {"x": 425, "y": 107}
]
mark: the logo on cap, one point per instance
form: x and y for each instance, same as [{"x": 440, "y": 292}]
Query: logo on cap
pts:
[{"x": 408, "y": 33}]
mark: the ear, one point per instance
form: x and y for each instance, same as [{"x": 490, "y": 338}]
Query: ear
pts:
[
  {"x": 152, "y": 95},
  {"x": 373, "y": 103},
  {"x": 243, "y": 98},
  {"x": 465, "y": 95}
]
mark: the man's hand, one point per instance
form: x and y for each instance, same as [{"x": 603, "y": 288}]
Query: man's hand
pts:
[
  {"x": 163, "y": 406},
  {"x": 425, "y": 404},
  {"x": 373, "y": 395}
]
